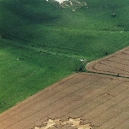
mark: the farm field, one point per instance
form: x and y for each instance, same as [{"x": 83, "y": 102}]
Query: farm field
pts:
[
  {"x": 41, "y": 43},
  {"x": 115, "y": 64},
  {"x": 98, "y": 101}
]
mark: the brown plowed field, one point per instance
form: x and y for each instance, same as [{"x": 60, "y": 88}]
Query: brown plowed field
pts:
[
  {"x": 101, "y": 101},
  {"x": 116, "y": 64}
]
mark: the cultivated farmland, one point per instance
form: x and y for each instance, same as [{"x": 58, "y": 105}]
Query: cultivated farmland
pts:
[
  {"x": 98, "y": 101},
  {"x": 41, "y": 43},
  {"x": 116, "y": 64}
]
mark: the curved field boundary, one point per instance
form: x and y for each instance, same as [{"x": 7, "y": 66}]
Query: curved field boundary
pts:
[
  {"x": 97, "y": 100},
  {"x": 115, "y": 64}
]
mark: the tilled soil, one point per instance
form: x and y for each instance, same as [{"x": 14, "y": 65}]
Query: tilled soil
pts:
[
  {"x": 100, "y": 101},
  {"x": 115, "y": 64}
]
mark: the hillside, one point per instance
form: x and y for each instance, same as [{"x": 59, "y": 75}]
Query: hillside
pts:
[{"x": 41, "y": 43}]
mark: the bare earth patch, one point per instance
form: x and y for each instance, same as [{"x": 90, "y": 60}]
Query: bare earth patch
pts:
[
  {"x": 71, "y": 122},
  {"x": 72, "y": 4},
  {"x": 80, "y": 101},
  {"x": 116, "y": 64}
]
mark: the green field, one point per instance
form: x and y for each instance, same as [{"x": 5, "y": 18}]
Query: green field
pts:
[{"x": 41, "y": 44}]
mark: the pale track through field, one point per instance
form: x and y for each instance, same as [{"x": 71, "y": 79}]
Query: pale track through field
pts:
[{"x": 99, "y": 100}]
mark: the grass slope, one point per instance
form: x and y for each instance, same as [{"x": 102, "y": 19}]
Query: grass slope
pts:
[{"x": 40, "y": 43}]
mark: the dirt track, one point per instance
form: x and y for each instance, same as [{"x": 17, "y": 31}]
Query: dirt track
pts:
[
  {"x": 116, "y": 64},
  {"x": 97, "y": 101}
]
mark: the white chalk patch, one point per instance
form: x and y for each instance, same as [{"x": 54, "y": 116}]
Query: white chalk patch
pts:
[
  {"x": 60, "y": 1},
  {"x": 69, "y": 3}
]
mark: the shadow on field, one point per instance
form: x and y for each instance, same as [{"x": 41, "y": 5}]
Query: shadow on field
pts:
[{"x": 15, "y": 14}]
